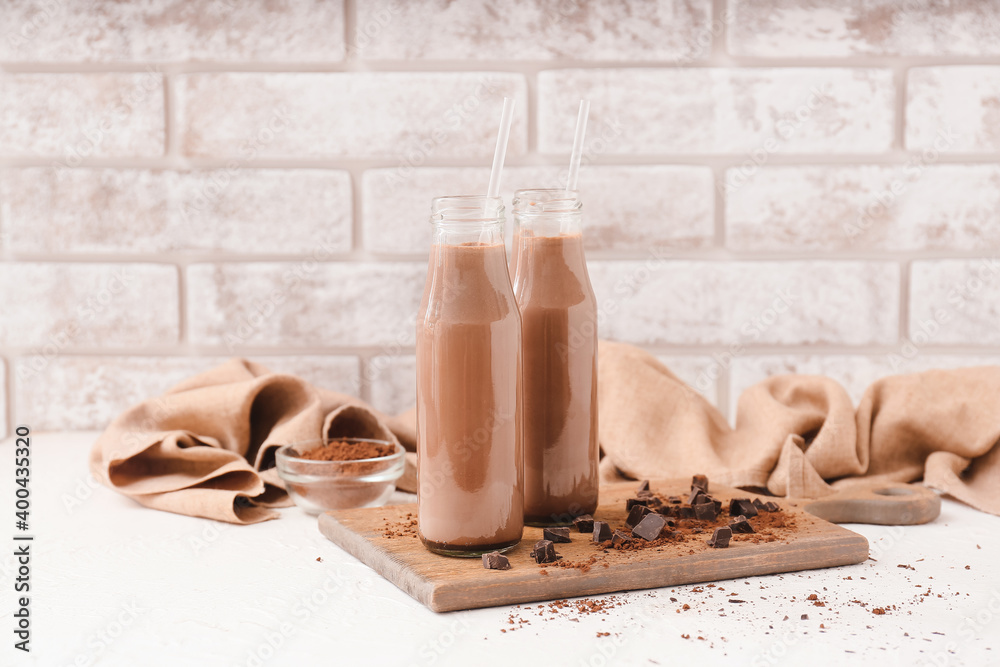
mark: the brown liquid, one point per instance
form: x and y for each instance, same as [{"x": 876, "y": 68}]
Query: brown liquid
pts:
[
  {"x": 468, "y": 403},
  {"x": 559, "y": 330}
]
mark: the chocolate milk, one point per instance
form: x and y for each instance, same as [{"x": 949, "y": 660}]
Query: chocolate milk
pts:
[
  {"x": 470, "y": 482},
  {"x": 559, "y": 334}
]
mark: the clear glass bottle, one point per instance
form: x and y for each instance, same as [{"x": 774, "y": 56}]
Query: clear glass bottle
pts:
[
  {"x": 469, "y": 449},
  {"x": 559, "y": 344}
]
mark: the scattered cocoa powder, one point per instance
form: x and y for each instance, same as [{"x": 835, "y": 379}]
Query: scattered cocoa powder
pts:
[{"x": 405, "y": 527}]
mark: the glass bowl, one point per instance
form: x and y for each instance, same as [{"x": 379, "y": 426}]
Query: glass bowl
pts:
[{"x": 317, "y": 486}]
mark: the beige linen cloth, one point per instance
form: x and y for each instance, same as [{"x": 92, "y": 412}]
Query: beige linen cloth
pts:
[{"x": 206, "y": 447}]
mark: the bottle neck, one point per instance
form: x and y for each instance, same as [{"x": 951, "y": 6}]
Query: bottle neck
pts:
[
  {"x": 550, "y": 212},
  {"x": 467, "y": 220},
  {"x": 445, "y": 233}
]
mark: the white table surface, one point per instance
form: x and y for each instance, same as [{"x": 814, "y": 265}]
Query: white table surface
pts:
[{"x": 114, "y": 583}]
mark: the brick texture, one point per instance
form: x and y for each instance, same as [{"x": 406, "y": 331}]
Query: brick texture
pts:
[
  {"x": 3, "y": 398},
  {"x": 125, "y": 210},
  {"x": 303, "y": 303},
  {"x": 625, "y": 208},
  {"x": 843, "y": 28},
  {"x": 772, "y": 111},
  {"x": 955, "y": 302},
  {"x": 769, "y": 186},
  {"x": 392, "y": 382},
  {"x": 410, "y": 117},
  {"x": 656, "y": 302},
  {"x": 534, "y": 30},
  {"x": 916, "y": 206},
  {"x": 75, "y": 117},
  {"x": 60, "y": 307},
  {"x": 953, "y": 109},
  {"x": 171, "y": 30},
  {"x": 77, "y": 393}
]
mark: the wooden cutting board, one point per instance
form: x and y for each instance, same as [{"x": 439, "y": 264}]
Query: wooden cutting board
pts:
[{"x": 448, "y": 584}]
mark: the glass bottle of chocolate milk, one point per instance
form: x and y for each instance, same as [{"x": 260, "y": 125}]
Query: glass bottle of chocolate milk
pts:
[
  {"x": 469, "y": 452},
  {"x": 559, "y": 343}
]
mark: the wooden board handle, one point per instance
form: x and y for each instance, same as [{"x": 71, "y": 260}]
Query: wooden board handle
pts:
[{"x": 889, "y": 504}]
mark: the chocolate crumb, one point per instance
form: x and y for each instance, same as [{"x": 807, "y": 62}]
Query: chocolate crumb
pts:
[
  {"x": 650, "y": 527},
  {"x": 701, "y": 482},
  {"x": 584, "y": 523},
  {"x": 636, "y": 515},
  {"x": 740, "y": 524},
  {"x": 496, "y": 561},
  {"x": 560, "y": 534},
  {"x": 720, "y": 538},
  {"x": 544, "y": 552},
  {"x": 602, "y": 531},
  {"x": 619, "y": 538}
]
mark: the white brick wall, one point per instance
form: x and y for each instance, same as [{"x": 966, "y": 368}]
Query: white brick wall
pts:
[{"x": 181, "y": 182}]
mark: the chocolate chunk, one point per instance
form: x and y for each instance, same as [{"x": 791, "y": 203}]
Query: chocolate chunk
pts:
[
  {"x": 804, "y": 617},
  {"x": 643, "y": 486},
  {"x": 739, "y": 524},
  {"x": 560, "y": 534},
  {"x": 771, "y": 506},
  {"x": 705, "y": 511},
  {"x": 696, "y": 496},
  {"x": 544, "y": 552},
  {"x": 635, "y": 515},
  {"x": 650, "y": 527},
  {"x": 645, "y": 495},
  {"x": 584, "y": 523},
  {"x": 632, "y": 502},
  {"x": 669, "y": 510},
  {"x": 720, "y": 538},
  {"x": 685, "y": 512},
  {"x": 619, "y": 538},
  {"x": 674, "y": 500},
  {"x": 738, "y": 506},
  {"x": 700, "y": 482},
  {"x": 759, "y": 504},
  {"x": 602, "y": 531},
  {"x": 495, "y": 561}
]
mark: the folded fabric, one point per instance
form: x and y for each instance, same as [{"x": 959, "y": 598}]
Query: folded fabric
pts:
[
  {"x": 206, "y": 447},
  {"x": 799, "y": 435}
]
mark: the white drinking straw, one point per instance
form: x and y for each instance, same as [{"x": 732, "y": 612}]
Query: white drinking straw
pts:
[
  {"x": 501, "y": 151},
  {"x": 577, "y": 155}
]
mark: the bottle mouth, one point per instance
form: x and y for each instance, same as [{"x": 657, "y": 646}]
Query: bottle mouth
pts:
[
  {"x": 466, "y": 210},
  {"x": 547, "y": 200}
]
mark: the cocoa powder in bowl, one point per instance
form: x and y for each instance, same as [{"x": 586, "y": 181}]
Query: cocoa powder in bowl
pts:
[{"x": 340, "y": 473}]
